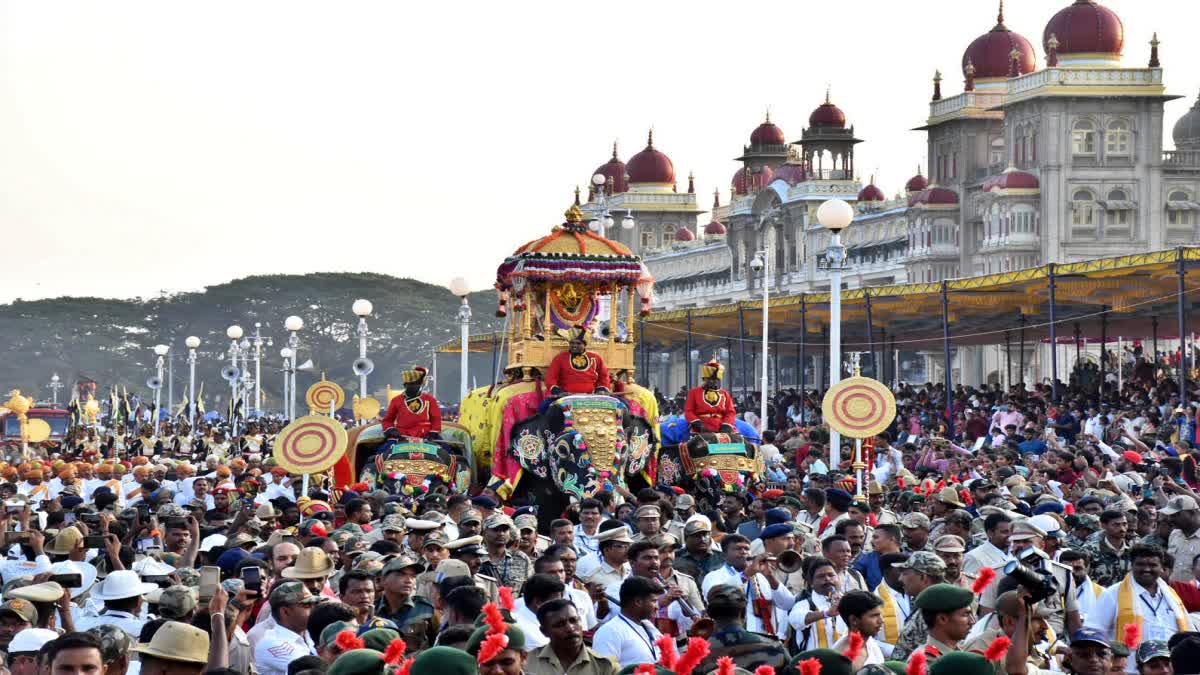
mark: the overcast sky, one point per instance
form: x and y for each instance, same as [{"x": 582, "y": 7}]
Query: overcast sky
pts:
[{"x": 161, "y": 145}]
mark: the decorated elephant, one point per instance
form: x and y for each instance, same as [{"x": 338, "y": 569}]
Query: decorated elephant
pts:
[
  {"x": 708, "y": 464},
  {"x": 417, "y": 464},
  {"x": 577, "y": 446}
]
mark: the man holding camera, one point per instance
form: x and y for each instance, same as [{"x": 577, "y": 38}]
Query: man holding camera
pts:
[{"x": 1061, "y": 605}]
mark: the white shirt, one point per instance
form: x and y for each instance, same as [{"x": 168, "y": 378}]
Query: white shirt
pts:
[
  {"x": 528, "y": 623},
  {"x": 629, "y": 642},
  {"x": 278, "y": 648},
  {"x": 835, "y": 628},
  {"x": 583, "y": 602},
  {"x": 781, "y": 598},
  {"x": 586, "y": 544},
  {"x": 870, "y": 646},
  {"x": 984, "y": 555},
  {"x": 123, "y": 620},
  {"x": 1087, "y": 596},
  {"x": 12, "y": 569},
  {"x": 1157, "y": 612}
]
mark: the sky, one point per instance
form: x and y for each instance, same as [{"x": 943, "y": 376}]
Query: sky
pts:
[{"x": 161, "y": 146}]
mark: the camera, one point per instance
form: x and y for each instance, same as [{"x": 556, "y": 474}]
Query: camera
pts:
[
  {"x": 68, "y": 580},
  {"x": 1040, "y": 584},
  {"x": 94, "y": 541}
]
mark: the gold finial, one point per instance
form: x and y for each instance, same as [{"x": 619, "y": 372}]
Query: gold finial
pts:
[
  {"x": 768, "y": 118},
  {"x": 574, "y": 215},
  {"x": 1000, "y": 16},
  {"x": 614, "y": 149},
  {"x": 650, "y": 138},
  {"x": 937, "y": 76},
  {"x": 576, "y": 195},
  {"x": 1154, "y": 40},
  {"x": 827, "y": 88}
]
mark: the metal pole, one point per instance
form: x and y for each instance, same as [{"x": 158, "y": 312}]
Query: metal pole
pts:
[
  {"x": 464, "y": 318},
  {"x": 1053, "y": 335},
  {"x": 362, "y": 354},
  {"x": 797, "y": 367},
  {"x": 495, "y": 353},
  {"x": 766, "y": 303},
  {"x": 294, "y": 343},
  {"x": 1103, "y": 346},
  {"x": 287, "y": 376},
  {"x": 258, "y": 343},
  {"x": 1077, "y": 350},
  {"x": 1120, "y": 375},
  {"x": 871, "y": 337},
  {"x": 1154, "y": 343},
  {"x": 233, "y": 386},
  {"x": 170, "y": 378},
  {"x": 1008, "y": 357},
  {"x": 882, "y": 363},
  {"x": 1181, "y": 311},
  {"x": 192, "y": 389},
  {"x": 741, "y": 347},
  {"x": 836, "y": 255},
  {"x": 803, "y": 347},
  {"x": 158, "y": 396},
  {"x": 946, "y": 357},
  {"x": 689, "y": 350},
  {"x": 1021, "y": 370}
]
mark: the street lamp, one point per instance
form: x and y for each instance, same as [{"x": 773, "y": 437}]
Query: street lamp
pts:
[
  {"x": 460, "y": 288},
  {"x": 362, "y": 367},
  {"x": 55, "y": 385},
  {"x": 258, "y": 347},
  {"x": 604, "y": 218},
  {"x": 293, "y": 324},
  {"x": 287, "y": 354},
  {"x": 192, "y": 343},
  {"x": 161, "y": 351},
  {"x": 234, "y": 333},
  {"x": 835, "y": 215},
  {"x": 761, "y": 263}
]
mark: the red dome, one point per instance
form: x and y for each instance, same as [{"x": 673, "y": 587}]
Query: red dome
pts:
[
  {"x": 916, "y": 183},
  {"x": 614, "y": 171},
  {"x": 827, "y": 115},
  {"x": 934, "y": 196},
  {"x": 1086, "y": 28},
  {"x": 684, "y": 234},
  {"x": 650, "y": 166},
  {"x": 871, "y": 193},
  {"x": 791, "y": 174},
  {"x": 758, "y": 180},
  {"x": 714, "y": 228},
  {"x": 767, "y": 134},
  {"x": 991, "y": 53},
  {"x": 1011, "y": 179}
]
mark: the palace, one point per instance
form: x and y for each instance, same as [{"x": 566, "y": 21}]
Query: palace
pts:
[{"x": 1028, "y": 165}]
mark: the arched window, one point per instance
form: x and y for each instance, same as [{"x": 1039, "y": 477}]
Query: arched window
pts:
[
  {"x": 1180, "y": 216},
  {"x": 1117, "y": 138},
  {"x": 1083, "y": 138},
  {"x": 1117, "y": 214},
  {"x": 1083, "y": 214}
]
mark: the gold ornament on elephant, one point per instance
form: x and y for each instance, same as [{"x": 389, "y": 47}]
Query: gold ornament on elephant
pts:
[{"x": 599, "y": 430}]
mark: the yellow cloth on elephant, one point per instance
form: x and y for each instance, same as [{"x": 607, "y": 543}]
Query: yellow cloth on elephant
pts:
[
  {"x": 645, "y": 398},
  {"x": 473, "y": 414}
]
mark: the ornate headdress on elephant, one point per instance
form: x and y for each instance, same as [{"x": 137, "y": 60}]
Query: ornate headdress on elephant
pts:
[{"x": 708, "y": 462}]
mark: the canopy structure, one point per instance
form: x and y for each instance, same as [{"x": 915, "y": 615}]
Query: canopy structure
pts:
[{"x": 1146, "y": 296}]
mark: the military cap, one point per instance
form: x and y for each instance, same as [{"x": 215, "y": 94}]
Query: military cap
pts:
[
  {"x": 832, "y": 663},
  {"x": 1023, "y": 529},
  {"x": 696, "y": 524},
  {"x": 962, "y": 663},
  {"x": 1150, "y": 650},
  {"x": 292, "y": 593},
  {"x": 516, "y": 639},
  {"x": 497, "y": 520},
  {"x": 23, "y": 609},
  {"x": 393, "y": 523},
  {"x": 47, "y": 591},
  {"x": 188, "y": 576},
  {"x": 619, "y": 534},
  {"x": 421, "y": 525},
  {"x": 451, "y": 567},
  {"x": 684, "y": 502},
  {"x": 175, "y": 602},
  {"x": 944, "y": 597},
  {"x": 379, "y": 638},
  {"x": 1087, "y": 521},
  {"x": 726, "y": 595},
  {"x": 527, "y": 521},
  {"x": 171, "y": 511},
  {"x": 949, "y": 495},
  {"x": 470, "y": 516},
  {"x": 402, "y": 563},
  {"x": 777, "y": 515},
  {"x": 114, "y": 642},
  {"x": 1119, "y": 648},
  {"x": 874, "y": 669},
  {"x": 665, "y": 540},
  {"x": 435, "y": 538},
  {"x": 924, "y": 562},
  {"x": 874, "y": 488},
  {"x": 648, "y": 510},
  {"x": 485, "y": 502},
  {"x": 949, "y": 543},
  {"x": 439, "y": 661},
  {"x": 464, "y": 542},
  {"x": 376, "y": 622},
  {"x": 897, "y": 667},
  {"x": 915, "y": 520},
  {"x": 331, "y": 632},
  {"x": 358, "y": 662},
  {"x": 776, "y": 530}
]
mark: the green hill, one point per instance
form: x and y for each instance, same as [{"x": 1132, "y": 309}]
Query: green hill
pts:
[{"x": 111, "y": 341}]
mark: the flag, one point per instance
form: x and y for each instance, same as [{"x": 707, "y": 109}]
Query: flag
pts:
[
  {"x": 233, "y": 410},
  {"x": 184, "y": 406},
  {"x": 200, "y": 401}
]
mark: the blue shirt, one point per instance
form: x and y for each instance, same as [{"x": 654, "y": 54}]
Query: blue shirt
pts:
[
  {"x": 1035, "y": 447},
  {"x": 868, "y": 566}
]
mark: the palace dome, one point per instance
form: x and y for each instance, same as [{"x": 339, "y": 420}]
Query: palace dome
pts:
[
  {"x": 758, "y": 180},
  {"x": 1085, "y": 27},
  {"x": 650, "y": 166},
  {"x": 1187, "y": 129},
  {"x": 684, "y": 234},
  {"x": 934, "y": 196},
  {"x": 714, "y": 228},
  {"x": 791, "y": 174},
  {"x": 916, "y": 183},
  {"x": 827, "y": 115},
  {"x": 871, "y": 193},
  {"x": 1012, "y": 179},
  {"x": 613, "y": 171},
  {"x": 767, "y": 133},
  {"x": 991, "y": 53}
]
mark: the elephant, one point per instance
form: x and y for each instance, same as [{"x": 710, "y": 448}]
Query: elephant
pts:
[
  {"x": 577, "y": 446},
  {"x": 396, "y": 464},
  {"x": 708, "y": 464}
]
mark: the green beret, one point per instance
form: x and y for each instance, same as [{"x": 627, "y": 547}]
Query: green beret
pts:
[
  {"x": 897, "y": 667},
  {"x": 516, "y": 639},
  {"x": 944, "y": 598},
  {"x": 961, "y": 663},
  {"x": 658, "y": 670},
  {"x": 832, "y": 663},
  {"x": 331, "y": 631},
  {"x": 379, "y": 638},
  {"x": 443, "y": 661},
  {"x": 358, "y": 662}
]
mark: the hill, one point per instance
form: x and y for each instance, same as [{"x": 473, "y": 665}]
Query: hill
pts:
[{"x": 112, "y": 341}]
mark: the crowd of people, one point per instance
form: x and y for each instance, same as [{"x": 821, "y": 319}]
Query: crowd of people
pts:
[{"x": 1055, "y": 528}]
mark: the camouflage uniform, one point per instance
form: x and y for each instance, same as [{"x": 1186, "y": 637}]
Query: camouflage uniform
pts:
[
  {"x": 512, "y": 571},
  {"x": 748, "y": 650},
  {"x": 912, "y": 635},
  {"x": 1109, "y": 565},
  {"x": 413, "y": 618}
]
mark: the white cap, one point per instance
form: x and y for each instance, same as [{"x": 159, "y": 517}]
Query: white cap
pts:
[
  {"x": 212, "y": 540},
  {"x": 150, "y": 567},
  {"x": 31, "y": 640}
]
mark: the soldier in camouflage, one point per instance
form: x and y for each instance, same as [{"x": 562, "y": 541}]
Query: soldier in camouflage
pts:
[{"x": 727, "y": 608}]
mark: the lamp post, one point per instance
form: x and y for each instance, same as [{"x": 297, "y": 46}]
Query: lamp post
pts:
[
  {"x": 234, "y": 333},
  {"x": 259, "y": 341},
  {"x": 293, "y": 324},
  {"x": 287, "y": 354},
  {"x": 362, "y": 309},
  {"x": 192, "y": 343},
  {"x": 761, "y": 263},
  {"x": 835, "y": 215},
  {"x": 244, "y": 352},
  {"x": 161, "y": 351},
  {"x": 460, "y": 288},
  {"x": 55, "y": 385},
  {"x": 601, "y": 199}
]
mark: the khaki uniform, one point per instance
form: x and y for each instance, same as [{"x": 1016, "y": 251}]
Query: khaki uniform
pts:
[
  {"x": 980, "y": 644},
  {"x": 691, "y": 590},
  {"x": 544, "y": 662}
]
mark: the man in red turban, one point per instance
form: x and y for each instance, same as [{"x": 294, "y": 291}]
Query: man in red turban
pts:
[
  {"x": 415, "y": 414},
  {"x": 578, "y": 371},
  {"x": 709, "y": 407}
]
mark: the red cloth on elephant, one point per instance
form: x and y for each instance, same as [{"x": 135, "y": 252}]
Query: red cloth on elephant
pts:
[
  {"x": 519, "y": 407},
  {"x": 413, "y": 417},
  {"x": 712, "y": 408},
  {"x": 581, "y": 374}
]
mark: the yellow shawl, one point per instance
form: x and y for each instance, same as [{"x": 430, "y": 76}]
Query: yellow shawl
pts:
[
  {"x": 892, "y": 622},
  {"x": 1126, "y": 613}
]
